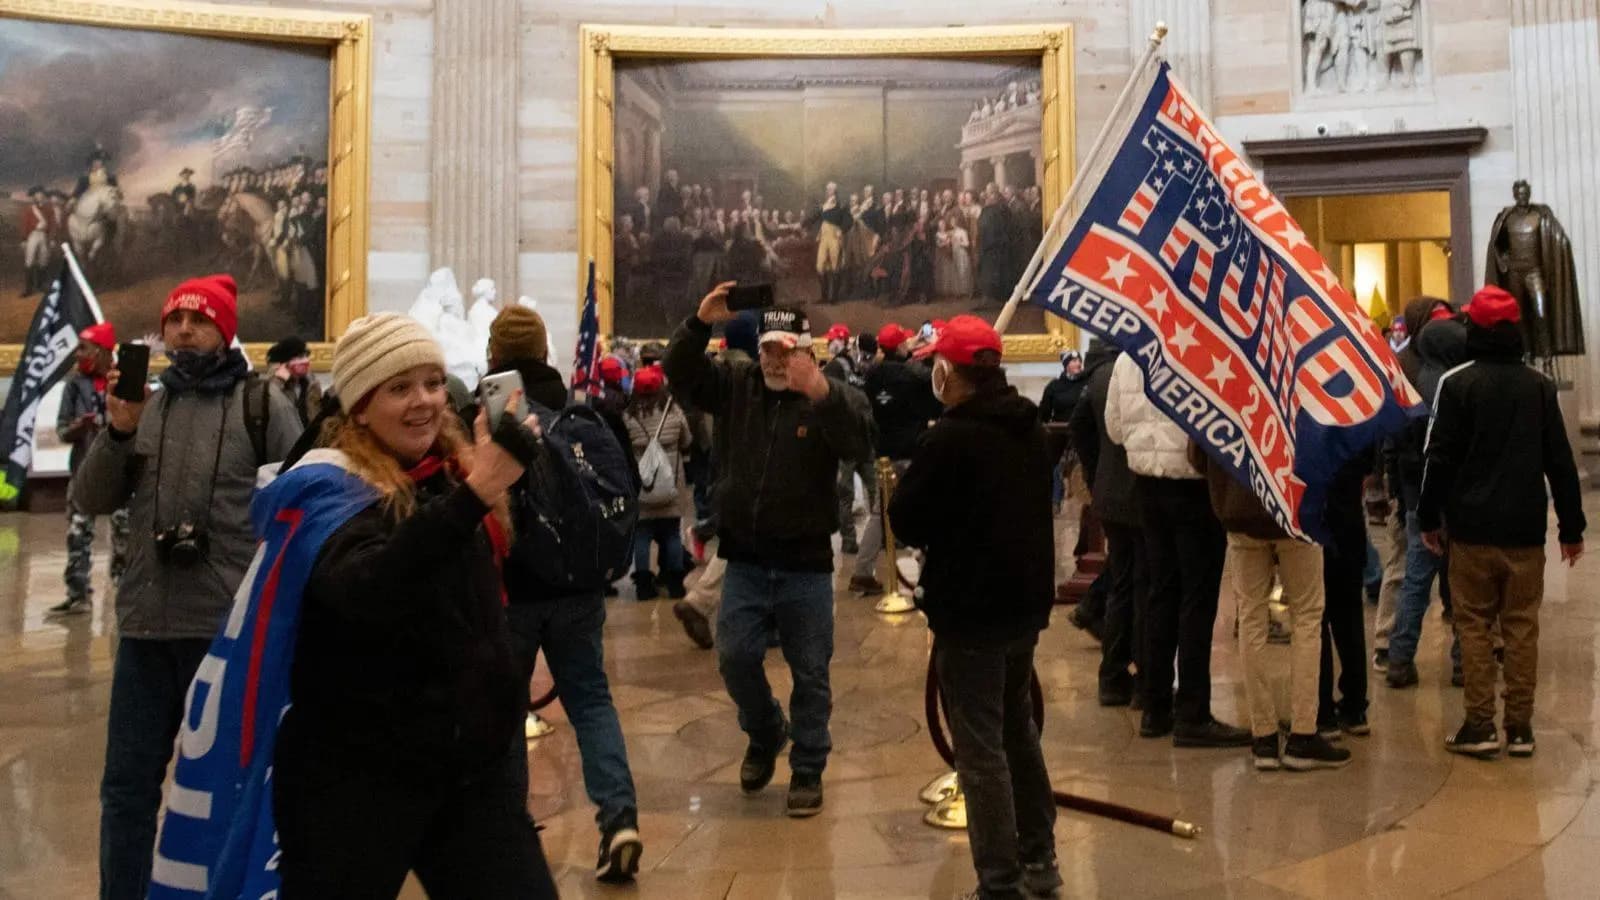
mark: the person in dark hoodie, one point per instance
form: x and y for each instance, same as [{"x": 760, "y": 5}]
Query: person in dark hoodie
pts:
[
  {"x": 901, "y": 393},
  {"x": 1112, "y": 493},
  {"x": 1440, "y": 345},
  {"x": 569, "y": 629},
  {"x": 1258, "y": 547},
  {"x": 1497, "y": 438},
  {"x": 976, "y": 499},
  {"x": 782, "y": 427}
]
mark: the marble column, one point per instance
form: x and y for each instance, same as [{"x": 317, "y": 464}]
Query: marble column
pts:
[
  {"x": 1188, "y": 43},
  {"x": 1555, "y": 85},
  {"x": 474, "y": 188},
  {"x": 999, "y": 163}
]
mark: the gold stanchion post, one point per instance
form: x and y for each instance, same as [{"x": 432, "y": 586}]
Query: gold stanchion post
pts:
[{"x": 893, "y": 602}]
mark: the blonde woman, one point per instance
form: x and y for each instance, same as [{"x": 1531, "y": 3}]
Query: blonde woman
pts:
[{"x": 396, "y": 754}]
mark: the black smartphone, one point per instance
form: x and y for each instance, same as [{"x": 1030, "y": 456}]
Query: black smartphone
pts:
[
  {"x": 133, "y": 370},
  {"x": 750, "y": 296}
]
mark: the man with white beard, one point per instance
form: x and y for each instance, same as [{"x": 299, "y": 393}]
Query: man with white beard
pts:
[{"x": 781, "y": 428}]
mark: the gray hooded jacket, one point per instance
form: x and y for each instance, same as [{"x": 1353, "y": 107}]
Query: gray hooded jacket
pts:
[{"x": 196, "y": 448}]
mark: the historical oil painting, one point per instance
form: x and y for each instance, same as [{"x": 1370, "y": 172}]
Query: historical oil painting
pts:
[
  {"x": 159, "y": 156},
  {"x": 865, "y": 189}
]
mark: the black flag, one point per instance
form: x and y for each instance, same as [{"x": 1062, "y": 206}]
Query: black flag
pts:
[{"x": 47, "y": 356}]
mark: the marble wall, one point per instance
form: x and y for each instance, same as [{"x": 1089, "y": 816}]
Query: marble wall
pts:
[{"x": 1492, "y": 64}]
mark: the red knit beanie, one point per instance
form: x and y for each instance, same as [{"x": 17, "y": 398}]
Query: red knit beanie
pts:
[
  {"x": 214, "y": 296},
  {"x": 1491, "y": 306}
]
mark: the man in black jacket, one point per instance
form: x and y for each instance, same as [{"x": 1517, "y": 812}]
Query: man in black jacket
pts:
[
  {"x": 569, "y": 628},
  {"x": 903, "y": 404},
  {"x": 781, "y": 429},
  {"x": 976, "y": 498},
  {"x": 1497, "y": 437},
  {"x": 1111, "y": 489}
]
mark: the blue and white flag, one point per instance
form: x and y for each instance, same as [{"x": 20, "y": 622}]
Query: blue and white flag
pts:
[
  {"x": 218, "y": 840},
  {"x": 1184, "y": 259}
]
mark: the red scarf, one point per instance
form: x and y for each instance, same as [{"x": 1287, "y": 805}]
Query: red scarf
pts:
[{"x": 430, "y": 466}]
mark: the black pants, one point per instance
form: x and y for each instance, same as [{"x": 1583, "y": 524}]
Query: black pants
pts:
[
  {"x": 1127, "y": 571},
  {"x": 353, "y": 832},
  {"x": 1011, "y": 813},
  {"x": 1344, "y": 629},
  {"x": 1185, "y": 547}
]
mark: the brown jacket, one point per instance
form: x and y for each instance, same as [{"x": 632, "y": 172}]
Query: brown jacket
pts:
[{"x": 1235, "y": 504}]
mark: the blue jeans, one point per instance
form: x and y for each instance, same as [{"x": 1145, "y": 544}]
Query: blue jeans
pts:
[
  {"x": 800, "y": 604},
  {"x": 664, "y": 533},
  {"x": 1415, "y": 594},
  {"x": 569, "y": 631},
  {"x": 149, "y": 681}
]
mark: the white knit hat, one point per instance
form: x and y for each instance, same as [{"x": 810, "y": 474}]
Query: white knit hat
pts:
[{"x": 376, "y": 348}]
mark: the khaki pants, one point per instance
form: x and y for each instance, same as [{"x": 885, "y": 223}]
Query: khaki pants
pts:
[
  {"x": 1503, "y": 585},
  {"x": 1247, "y": 574},
  {"x": 1389, "y": 539}
]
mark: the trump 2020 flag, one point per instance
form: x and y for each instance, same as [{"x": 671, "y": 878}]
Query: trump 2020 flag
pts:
[
  {"x": 218, "y": 838},
  {"x": 47, "y": 355},
  {"x": 586, "y": 357},
  {"x": 1185, "y": 260}
]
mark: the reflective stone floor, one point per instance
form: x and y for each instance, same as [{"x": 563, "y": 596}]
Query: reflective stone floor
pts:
[{"x": 1405, "y": 819}]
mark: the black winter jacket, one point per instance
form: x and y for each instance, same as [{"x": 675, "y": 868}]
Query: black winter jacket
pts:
[
  {"x": 976, "y": 497},
  {"x": 777, "y": 455},
  {"x": 1497, "y": 437},
  {"x": 403, "y": 660},
  {"x": 1438, "y": 347},
  {"x": 902, "y": 405},
  {"x": 1112, "y": 484},
  {"x": 1061, "y": 397}
]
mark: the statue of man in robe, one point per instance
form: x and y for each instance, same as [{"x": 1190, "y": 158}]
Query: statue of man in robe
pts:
[{"x": 1530, "y": 256}]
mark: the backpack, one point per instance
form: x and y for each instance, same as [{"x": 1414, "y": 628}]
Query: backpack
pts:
[
  {"x": 577, "y": 508},
  {"x": 258, "y": 413},
  {"x": 658, "y": 476}
]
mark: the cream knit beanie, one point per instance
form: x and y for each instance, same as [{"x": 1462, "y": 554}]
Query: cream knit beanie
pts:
[{"x": 376, "y": 348}]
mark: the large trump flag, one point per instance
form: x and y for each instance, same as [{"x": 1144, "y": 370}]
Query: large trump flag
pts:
[{"x": 1185, "y": 260}]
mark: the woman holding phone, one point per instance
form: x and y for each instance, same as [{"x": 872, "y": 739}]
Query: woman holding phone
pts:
[{"x": 398, "y": 751}]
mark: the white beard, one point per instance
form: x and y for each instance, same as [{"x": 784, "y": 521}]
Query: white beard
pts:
[{"x": 776, "y": 382}]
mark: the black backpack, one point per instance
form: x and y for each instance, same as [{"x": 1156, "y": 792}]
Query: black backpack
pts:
[{"x": 577, "y": 506}]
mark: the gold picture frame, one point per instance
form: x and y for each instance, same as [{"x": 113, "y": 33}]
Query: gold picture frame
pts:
[
  {"x": 347, "y": 39},
  {"x": 600, "y": 45}
]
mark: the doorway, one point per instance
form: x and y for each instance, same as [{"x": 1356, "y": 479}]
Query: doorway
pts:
[{"x": 1387, "y": 248}]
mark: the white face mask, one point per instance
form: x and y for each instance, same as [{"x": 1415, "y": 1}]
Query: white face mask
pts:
[{"x": 941, "y": 378}]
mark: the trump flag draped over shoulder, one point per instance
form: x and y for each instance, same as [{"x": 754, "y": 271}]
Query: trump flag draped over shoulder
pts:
[{"x": 1183, "y": 258}]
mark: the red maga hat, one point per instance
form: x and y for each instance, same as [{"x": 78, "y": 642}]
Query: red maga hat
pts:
[
  {"x": 101, "y": 334},
  {"x": 962, "y": 337},
  {"x": 214, "y": 296},
  {"x": 891, "y": 336},
  {"x": 1491, "y": 306}
]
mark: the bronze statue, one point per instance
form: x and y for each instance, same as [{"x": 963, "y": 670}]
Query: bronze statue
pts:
[{"x": 1530, "y": 256}]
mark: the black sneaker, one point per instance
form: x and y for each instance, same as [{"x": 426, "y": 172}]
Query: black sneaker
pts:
[
  {"x": 1210, "y": 733},
  {"x": 1481, "y": 741},
  {"x": 694, "y": 625},
  {"x": 1354, "y": 723},
  {"x": 71, "y": 606},
  {"x": 1154, "y": 724},
  {"x": 805, "y": 796},
  {"x": 1304, "y": 752},
  {"x": 1041, "y": 881},
  {"x": 620, "y": 850},
  {"x": 1328, "y": 729},
  {"x": 1519, "y": 740},
  {"x": 1401, "y": 675},
  {"x": 1380, "y": 659},
  {"x": 1266, "y": 754},
  {"x": 756, "y": 771}
]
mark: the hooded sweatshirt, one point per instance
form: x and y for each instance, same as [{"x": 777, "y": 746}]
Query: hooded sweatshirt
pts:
[
  {"x": 1439, "y": 347},
  {"x": 976, "y": 497},
  {"x": 1416, "y": 317},
  {"x": 1496, "y": 439}
]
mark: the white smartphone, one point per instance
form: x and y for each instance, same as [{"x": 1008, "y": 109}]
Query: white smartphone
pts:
[{"x": 494, "y": 391}]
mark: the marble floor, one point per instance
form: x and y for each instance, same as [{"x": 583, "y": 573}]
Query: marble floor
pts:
[{"x": 1405, "y": 819}]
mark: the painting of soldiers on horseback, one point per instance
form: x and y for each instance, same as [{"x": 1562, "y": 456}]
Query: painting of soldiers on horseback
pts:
[{"x": 157, "y": 157}]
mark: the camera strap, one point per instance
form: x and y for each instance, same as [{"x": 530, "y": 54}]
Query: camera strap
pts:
[{"x": 216, "y": 462}]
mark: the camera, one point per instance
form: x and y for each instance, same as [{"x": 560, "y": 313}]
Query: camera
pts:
[
  {"x": 1322, "y": 130},
  {"x": 183, "y": 544}
]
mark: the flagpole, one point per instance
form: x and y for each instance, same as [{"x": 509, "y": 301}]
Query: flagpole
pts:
[
  {"x": 1154, "y": 45},
  {"x": 83, "y": 283}
]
